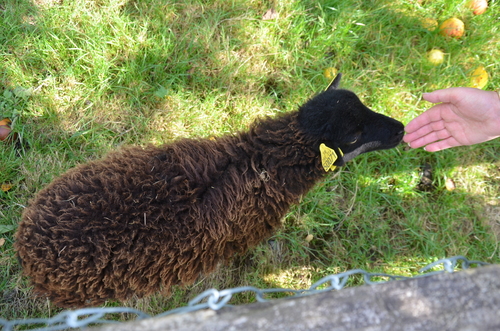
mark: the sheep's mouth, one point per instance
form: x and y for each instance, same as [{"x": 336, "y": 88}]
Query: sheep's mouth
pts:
[
  {"x": 391, "y": 143},
  {"x": 372, "y": 146},
  {"x": 397, "y": 139}
]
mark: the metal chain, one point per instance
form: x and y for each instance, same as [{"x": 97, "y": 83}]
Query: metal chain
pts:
[{"x": 215, "y": 299}]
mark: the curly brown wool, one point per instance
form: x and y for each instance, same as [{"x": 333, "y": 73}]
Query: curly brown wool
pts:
[{"x": 143, "y": 219}]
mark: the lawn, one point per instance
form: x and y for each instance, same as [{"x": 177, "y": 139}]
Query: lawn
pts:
[{"x": 80, "y": 78}]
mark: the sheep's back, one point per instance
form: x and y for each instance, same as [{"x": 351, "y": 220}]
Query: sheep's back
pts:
[{"x": 142, "y": 218}]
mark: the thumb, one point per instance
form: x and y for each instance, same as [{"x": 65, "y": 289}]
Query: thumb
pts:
[{"x": 446, "y": 95}]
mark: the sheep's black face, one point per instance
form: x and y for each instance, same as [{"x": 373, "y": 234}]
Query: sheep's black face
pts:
[{"x": 341, "y": 121}]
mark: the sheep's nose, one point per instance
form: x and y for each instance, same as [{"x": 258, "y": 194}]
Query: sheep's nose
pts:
[{"x": 398, "y": 136}]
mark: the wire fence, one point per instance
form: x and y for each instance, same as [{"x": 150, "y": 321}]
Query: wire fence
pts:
[{"x": 215, "y": 299}]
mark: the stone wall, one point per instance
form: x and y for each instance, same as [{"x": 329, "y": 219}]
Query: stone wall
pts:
[{"x": 465, "y": 300}]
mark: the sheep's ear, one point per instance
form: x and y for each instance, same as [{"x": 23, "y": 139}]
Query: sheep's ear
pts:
[{"x": 335, "y": 82}]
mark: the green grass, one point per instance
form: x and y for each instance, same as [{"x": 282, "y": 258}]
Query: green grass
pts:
[{"x": 81, "y": 78}]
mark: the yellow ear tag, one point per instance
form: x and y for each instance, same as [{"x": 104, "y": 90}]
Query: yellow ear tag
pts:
[{"x": 328, "y": 157}]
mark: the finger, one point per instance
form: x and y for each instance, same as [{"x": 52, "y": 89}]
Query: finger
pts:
[
  {"x": 445, "y": 95},
  {"x": 430, "y": 138},
  {"x": 429, "y": 117},
  {"x": 424, "y": 131},
  {"x": 418, "y": 122},
  {"x": 442, "y": 144}
]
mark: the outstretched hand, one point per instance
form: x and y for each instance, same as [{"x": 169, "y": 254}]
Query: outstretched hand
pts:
[{"x": 464, "y": 116}]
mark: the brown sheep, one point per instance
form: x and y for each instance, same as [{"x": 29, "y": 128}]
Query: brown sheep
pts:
[{"x": 143, "y": 219}]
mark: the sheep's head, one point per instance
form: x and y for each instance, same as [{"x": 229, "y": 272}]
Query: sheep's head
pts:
[{"x": 338, "y": 119}]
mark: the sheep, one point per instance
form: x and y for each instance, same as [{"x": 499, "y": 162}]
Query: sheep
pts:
[{"x": 143, "y": 219}]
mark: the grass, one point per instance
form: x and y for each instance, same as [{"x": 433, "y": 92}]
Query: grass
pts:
[{"x": 81, "y": 78}]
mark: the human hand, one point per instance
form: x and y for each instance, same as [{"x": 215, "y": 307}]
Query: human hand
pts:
[{"x": 464, "y": 116}]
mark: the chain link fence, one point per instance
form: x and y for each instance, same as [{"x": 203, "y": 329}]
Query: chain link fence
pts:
[{"x": 215, "y": 299}]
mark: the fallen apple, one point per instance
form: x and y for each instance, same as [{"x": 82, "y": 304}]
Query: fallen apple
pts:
[
  {"x": 435, "y": 56},
  {"x": 4, "y": 132},
  {"x": 478, "y": 6},
  {"x": 330, "y": 73},
  {"x": 452, "y": 27},
  {"x": 479, "y": 78},
  {"x": 5, "y": 121},
  {"x": 429, "y": 23}
]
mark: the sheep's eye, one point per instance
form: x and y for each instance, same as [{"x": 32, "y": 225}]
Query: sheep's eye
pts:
[
  {"x": 356, "y": 138},
  {"x": 352, "y": 142}
]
